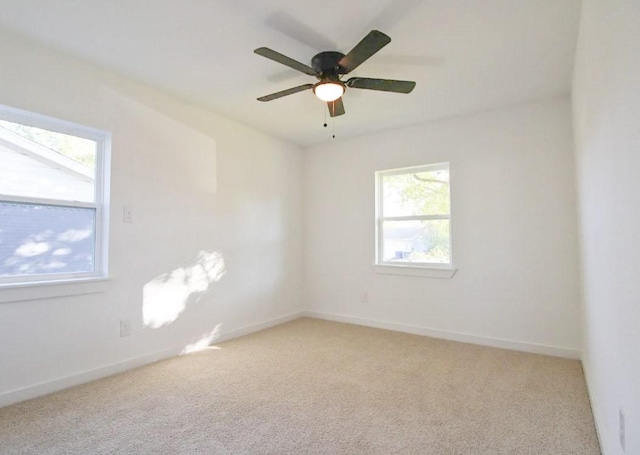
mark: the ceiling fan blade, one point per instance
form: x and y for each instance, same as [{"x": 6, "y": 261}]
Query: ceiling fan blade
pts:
[
  {"x": 336, "y": 107},
  {"x": 369, "y": 45},
  {"x": 291, "y": 63},
  {"x": 289, "y": 91},
  {"x": 385, "y": 85}
]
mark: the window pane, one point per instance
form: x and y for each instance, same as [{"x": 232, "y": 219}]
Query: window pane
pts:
[
  {"x": 416, "y": 193},
  {"x": 41, "y": 239},
  {"x": 44, "y": 164},
  {"x": 416, "y": 241}
]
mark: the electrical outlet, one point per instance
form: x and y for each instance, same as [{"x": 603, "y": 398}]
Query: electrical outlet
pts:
[
  {"x": 622, "y": 424},
  {"x": 125, "y": 327},
  {"x": 364, "y": 297},
  {"x": 127, "y": 214}
]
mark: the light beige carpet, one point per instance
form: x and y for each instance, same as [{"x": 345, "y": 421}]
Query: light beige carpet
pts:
[{"x": 317, "y": 387}]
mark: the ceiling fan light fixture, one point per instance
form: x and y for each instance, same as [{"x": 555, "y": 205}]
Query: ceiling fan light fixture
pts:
[{"x": 329, "y": 90}]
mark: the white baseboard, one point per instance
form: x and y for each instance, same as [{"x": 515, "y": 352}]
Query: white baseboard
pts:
[
  {"x": 44, "y": 388},
  {"x": 453, "y": 336},
  {"x": 252, "y": 328},
  {"x": 597, "y": 417},
  {"x": 55, "y": 385}
]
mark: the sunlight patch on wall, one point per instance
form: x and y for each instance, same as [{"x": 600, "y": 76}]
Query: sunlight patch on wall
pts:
[
  {"x": 204, "y": 343},
  {"x": 165, "y": 297}
]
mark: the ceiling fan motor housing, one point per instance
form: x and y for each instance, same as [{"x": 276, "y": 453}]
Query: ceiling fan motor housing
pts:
[{"x": 326, "y": 65}]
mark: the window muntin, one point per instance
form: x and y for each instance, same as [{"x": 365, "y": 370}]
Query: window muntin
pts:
[
  {"x": 52, "y": 195},
  {"x": 413, "y": 221}
]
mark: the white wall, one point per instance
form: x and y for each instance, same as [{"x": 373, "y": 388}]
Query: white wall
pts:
[
  {"x": 165, "y": 158},
  {"x": 606, "y": 101},
  {"x": 514, "y": 231}
]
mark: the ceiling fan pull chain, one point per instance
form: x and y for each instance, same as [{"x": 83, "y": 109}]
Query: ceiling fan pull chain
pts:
[
  {"x": 325, "y": 116},
  {"x": 333, "y": 120}
]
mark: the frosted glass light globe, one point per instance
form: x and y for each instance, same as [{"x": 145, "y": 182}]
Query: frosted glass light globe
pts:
[{"x": 329, "y": 91}]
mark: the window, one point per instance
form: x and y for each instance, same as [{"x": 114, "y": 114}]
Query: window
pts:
[
  {"x": 52, "y": 198},
  {"x": 413, "y": 221}
]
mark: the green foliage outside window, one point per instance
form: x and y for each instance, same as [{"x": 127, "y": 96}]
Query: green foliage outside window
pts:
[
  {"x": 415, "y": 194},
  {"x": 76, "y": 148}
]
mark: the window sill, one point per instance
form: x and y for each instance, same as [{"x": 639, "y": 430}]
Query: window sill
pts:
[
  {"x": 16, "y": 292},
  {"x": 421, "y": 271}
]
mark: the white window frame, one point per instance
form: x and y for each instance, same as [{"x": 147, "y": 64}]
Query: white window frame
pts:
[
  {"x": 101, "y": 197},
  {"x": 427, "y": 269}
]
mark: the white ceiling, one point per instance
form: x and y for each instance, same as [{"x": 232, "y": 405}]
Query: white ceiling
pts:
[{"x": 465, "y": 55}]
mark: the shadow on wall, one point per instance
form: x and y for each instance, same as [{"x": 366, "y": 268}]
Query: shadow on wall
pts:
[{"x": 165, "y": 297}]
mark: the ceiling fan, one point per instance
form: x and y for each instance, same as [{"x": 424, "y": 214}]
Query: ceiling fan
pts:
[{"x": 329, "y": 67}]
